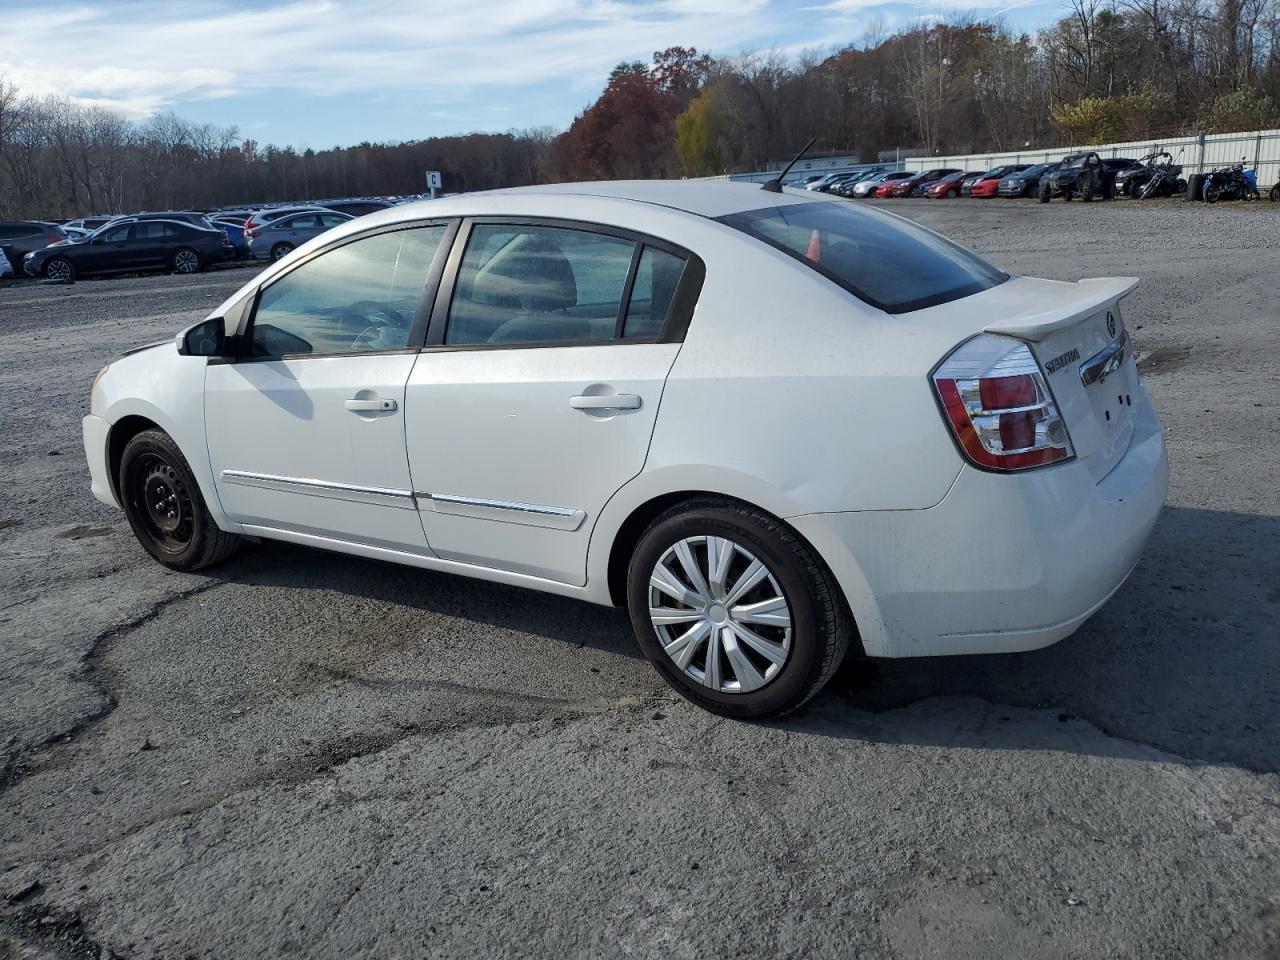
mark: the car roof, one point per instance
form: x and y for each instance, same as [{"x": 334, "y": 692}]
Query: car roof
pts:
[{"x": 706, "y": 198}]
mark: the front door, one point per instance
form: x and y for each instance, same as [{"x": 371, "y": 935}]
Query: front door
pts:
[
  {"x": 306, "y": 432},
  {"x": 540, "y": 399}
]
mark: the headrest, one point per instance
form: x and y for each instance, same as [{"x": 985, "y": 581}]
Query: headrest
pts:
[{"x": 532, "y": 271}]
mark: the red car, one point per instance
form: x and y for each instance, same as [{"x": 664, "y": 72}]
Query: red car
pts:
[
  {"x": 948, "y": 188},
  {"x": 916, "y": 185},
  {"x": 891, "y": 180},
  {"x": 988, "y": 184}
]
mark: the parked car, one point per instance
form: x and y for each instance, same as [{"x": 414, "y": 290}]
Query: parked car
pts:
[
  {"x": 988, "y": 184},
  {"x": 845, "y": 187},
  {"x": 868, "y": 187},
  {"x": 276, "y": 239},
  {"x": 234, "y": 229},
  {"x": 356, "y": 207},
  {"x": 1025, "y": 183},
  {"x": 192, "y": 216},
  {"x": 88, "y": 223},
  {"x": 915, "y": 185},
  {"x": 948, "y": 187},
  {"x": 510, "y": 429},
  {"x": 267, "y": 214},
  {"x": 20, "y": 237},
  {"x": 132, "y": 246},
  {"x": 73, "y": 233},
  {"x": 1084, "y": 175}
]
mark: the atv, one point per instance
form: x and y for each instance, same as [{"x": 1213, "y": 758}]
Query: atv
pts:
[{"x": 1081, "y": 175}]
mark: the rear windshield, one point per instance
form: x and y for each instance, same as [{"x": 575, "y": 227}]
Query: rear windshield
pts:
[{"x": 887, "y": 261}]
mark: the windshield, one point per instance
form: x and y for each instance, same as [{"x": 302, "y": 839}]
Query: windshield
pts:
[
  {"x": 1035, "y": 171},
  {"x": 1073, "y": 163},
  {"x": 884, "y": 260}
]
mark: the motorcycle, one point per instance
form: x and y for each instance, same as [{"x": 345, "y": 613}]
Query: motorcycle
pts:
[
  {"x": 1231, "y": 183},
  {"x": 1165, "y": 180}
]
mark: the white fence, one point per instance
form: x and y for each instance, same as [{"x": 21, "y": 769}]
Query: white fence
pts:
[{"x": 1259, "y": 149}]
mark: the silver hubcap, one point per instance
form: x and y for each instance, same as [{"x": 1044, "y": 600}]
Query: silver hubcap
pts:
[
  {"x": 719, "y": 614},
  {"x": 186, "y": 261}
]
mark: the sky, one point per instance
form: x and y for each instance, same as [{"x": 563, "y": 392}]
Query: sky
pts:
[{"x": 321, "y": 73}]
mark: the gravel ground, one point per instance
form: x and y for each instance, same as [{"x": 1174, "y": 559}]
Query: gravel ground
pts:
[{"x": 300, "y": 753}]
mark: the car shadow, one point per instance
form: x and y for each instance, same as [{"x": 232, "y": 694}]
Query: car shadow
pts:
[
  {"x": 1185, "y": 658},
  {"x": 284, "y": 565}
]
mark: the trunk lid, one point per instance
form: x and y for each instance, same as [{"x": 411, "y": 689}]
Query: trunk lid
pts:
[{"x": 1078, "y": 337}]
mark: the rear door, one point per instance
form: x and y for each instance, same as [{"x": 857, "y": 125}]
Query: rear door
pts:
[
  {"x": 149, "y": 246},
  {"x": 536, "y": 397}
]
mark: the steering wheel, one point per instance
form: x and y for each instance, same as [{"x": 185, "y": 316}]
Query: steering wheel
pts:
[{"x": 376, "y": 317}]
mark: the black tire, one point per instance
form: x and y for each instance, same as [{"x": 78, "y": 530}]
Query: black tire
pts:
[
  {"x": 821, "y": 624},
  {"x": 1275, "y": 193},
  {"x": 153, "y": 477},
  {"x": 1212, "y": 192},
  {"x": 281, "y": 250},
  {"x": 1086, "y": 190},
  {"x": 1044, "y": 193},
  {"x": 60, "y": 268}
]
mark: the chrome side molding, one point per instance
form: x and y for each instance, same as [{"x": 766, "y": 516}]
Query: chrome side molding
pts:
[
  {"x": 507, "y": 511},
  {"x": 380, "y": 496},
  {"x": 1106, "y": 361}
]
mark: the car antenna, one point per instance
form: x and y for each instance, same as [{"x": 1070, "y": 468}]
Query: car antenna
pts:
[{"x": 775, "y": 185}]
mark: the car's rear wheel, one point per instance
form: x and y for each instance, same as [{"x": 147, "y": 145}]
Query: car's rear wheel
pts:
[
  {"x": 281, "y": 250},
  {"x": 186, "y": 260},
  {"x": 164, "y": 505},
  {"x": 735, "y": 610},
  {"x": 60, "y": 268}
]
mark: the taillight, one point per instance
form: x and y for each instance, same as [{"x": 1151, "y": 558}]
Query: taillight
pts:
[{"x": 998, "y": 404}]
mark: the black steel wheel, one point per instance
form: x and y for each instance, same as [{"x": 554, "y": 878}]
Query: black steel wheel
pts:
[{"x": 164, "y": 505}]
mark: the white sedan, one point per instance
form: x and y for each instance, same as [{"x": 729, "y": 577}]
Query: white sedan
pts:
[{"x": 773, "y": 424}]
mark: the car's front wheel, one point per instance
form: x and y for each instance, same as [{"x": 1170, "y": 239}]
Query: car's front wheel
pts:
[
  {"x": 1044, "y": 193},
  {"x": 61, "y": 269},
  {"x": 164, "y": 505},
  {"x": 735, "y": 610},
  {"x": 186, "y": 260}
]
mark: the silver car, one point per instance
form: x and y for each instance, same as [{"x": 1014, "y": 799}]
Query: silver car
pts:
[{"x": 271, "y": 241}]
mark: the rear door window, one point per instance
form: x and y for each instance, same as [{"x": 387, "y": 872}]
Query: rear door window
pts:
[{"x": 886, "y": 261}]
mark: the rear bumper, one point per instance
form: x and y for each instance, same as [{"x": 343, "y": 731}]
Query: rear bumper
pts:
[
  {"x": 95, "y": 431},
  {"x": 1003, "y": 563}
]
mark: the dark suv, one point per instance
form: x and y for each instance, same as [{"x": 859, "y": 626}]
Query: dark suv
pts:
[
  {"x": 1084, "y": 175},
  {"x": 20, "y": 237}
]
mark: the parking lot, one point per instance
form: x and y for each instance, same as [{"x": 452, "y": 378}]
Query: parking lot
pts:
[{"x": 299, "y": 753}]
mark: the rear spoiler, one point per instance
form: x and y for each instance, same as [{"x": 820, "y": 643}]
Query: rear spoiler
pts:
[{"x": 1088, "y": 297}]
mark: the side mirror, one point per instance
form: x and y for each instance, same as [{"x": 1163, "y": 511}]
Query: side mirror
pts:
[{"x": 205, "y": 339}]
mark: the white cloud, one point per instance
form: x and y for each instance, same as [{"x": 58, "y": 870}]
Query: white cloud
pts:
[{"x": 139, "y": 56}]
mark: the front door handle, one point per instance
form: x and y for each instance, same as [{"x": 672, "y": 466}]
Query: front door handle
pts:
[
  {"x": 369, "y": 406},
  {"x": 612, "y": 401}
]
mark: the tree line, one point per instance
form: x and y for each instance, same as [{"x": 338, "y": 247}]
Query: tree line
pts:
[{"x": 1114, "y": 70}]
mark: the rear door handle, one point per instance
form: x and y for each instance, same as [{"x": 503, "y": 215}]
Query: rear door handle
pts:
[
  {"x": 369, "y": 406},
  {"x": 616, "y": 401}
]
